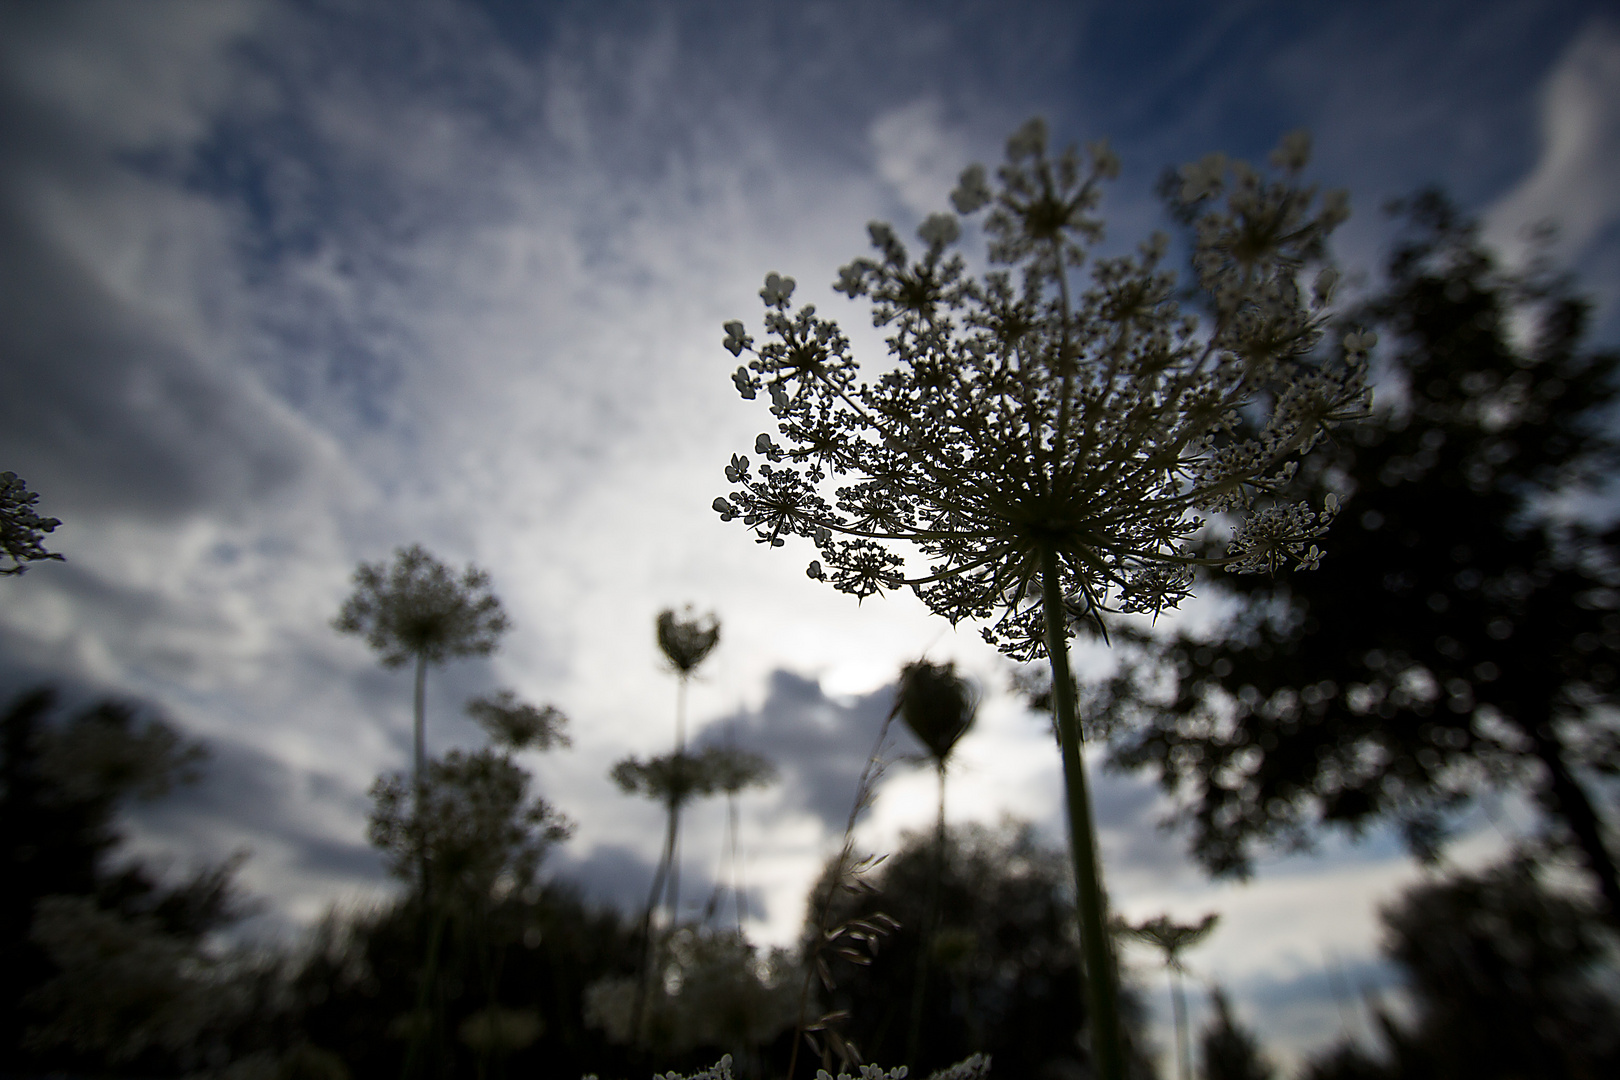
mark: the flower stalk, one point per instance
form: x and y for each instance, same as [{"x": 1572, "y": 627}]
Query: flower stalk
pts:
[
  {"x": 1050, "y": 447},
  {"x": 1102, "y": 998}
]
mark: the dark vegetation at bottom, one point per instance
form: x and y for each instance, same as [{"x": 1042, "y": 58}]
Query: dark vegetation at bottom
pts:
[{"x": 109, "y": 971}]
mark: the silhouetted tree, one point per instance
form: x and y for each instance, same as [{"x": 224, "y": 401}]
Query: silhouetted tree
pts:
[
  {"x": 22, "y": 530},
  {"x": 1003, "y": 976},
  {"x": 1231, "y": 1051},
  {"x": 1462, "y": 635},
  {"x": 103, "y": 964},
  {"x": 1347, "y": 1061},
  {"x": 1506, "y": 977},
  {"x": 538, "y": 948}
]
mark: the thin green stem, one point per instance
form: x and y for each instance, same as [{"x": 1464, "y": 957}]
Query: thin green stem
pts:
[
  {"x": 648, "y": 948},
  {"x": 434, "y": 928},
  {"x": 680, "y": 713},
  {"x": 421, "y": 1027},
  {"x": 673, "y": 899},
  {"x": 418, "y": 765},
  {"x": 736, "y": 861},
  {"x": 1106, "y": 1039},
  {"x": 925, "y": 933},
  {"x": 1178, "y": 1002}
]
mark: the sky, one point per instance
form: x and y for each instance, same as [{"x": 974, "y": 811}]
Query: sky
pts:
[{"x": 287, "y": 285}]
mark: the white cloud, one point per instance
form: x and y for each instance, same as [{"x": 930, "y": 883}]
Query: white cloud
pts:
[
  {"x": 1576, "y": 182},
  {"x": 918, "y": 154},
  {"x": 130, "y": 74}
]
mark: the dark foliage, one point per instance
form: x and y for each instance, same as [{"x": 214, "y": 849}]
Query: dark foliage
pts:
[
  {"x": 1347, "y": 1061},
  {"x": 1505, "y": 973},
  {"x": 1003, "y": 977},
  {"x": 531, "y": 953},
  {"x": 1508, "y": 978},
  {"x": 1459, "y": 637},
  {"x": 63, "y": 783},
  {"x": 22, "y": 530},
  {"x": 1231, "y": 1051}
]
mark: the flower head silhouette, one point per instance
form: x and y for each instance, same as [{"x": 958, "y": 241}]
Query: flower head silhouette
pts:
[
  {"x": 1050, "y": 437},
  {"x": 1026, "y": 415}
]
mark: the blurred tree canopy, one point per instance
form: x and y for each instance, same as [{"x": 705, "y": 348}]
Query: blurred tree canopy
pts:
[
  {"x": 524, "y": 959},
  {"x": 1461, "y": 637},
  {"x": 1507, "y": 978},
  {"x": 1231, "y": 1051},
  {"x": 102, "y": 962},
  {"x": 1003, "y": 977}
]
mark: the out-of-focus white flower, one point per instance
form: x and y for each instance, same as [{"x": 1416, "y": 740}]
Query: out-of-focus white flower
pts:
[
  {"x": 1293, "y": 152},
  {"x": 1096, "y": 419},
  {"x": 1027, "y": 141},
  {"x": 1360, "y": 342},
  {"x": 939, "y": 230},
  {"x": 736, "y": 340},
  {"x": 1203, "y": 178},
  {"x": 972, "y": 192},
  {"x": 777, "y": 290}
]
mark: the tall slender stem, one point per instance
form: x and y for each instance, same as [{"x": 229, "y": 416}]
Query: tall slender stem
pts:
[
  {"x": 1178, "y": 1002},
  {"x": 1106, "y": 1042},
  {"x": 736, "y": 861},
  {"x": 418, "y": 764},
  {"x": 673, "y": 898},
  {"x": 430, "y": 927},
  {"x": 422, "y": 1029},
  {"x": 925, "y": 933},
  {"x": 680, "y": 715},
  {"x": 648, "y": 950}
]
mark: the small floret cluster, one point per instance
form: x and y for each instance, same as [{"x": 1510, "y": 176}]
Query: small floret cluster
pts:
[
  {"x": 21, "y": 528},
  {"x": 1035, "y": 409}
]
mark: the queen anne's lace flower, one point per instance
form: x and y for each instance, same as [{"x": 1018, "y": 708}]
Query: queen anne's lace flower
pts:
[
  {"x": 1047, "y": 443},
  {"x": 1093, "y": 417}
]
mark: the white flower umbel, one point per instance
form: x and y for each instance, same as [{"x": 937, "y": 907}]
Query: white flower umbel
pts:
[{"x": 1053, "y": 436}]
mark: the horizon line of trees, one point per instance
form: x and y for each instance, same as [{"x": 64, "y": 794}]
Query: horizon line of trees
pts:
[{"x": 113, "y": 968}]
